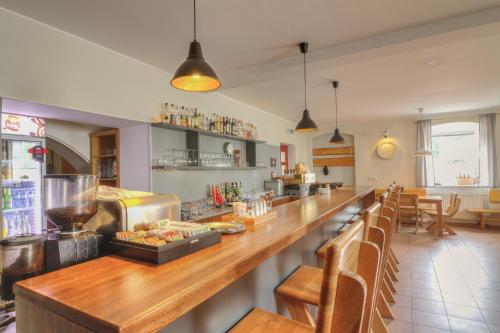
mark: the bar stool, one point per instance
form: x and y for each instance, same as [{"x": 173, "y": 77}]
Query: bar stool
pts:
[
  {"x": 342, "y": 295},
  {"x": 303, "y": 286}
]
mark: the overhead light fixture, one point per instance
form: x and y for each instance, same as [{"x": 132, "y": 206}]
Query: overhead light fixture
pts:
[
  {"x": 306, "y": 124},
  {"x": 386, "y": 133},
  {"x": 195, "y": 74},
  {"x": 422, "y": 151},
  {"x": 337, "y": 137}
]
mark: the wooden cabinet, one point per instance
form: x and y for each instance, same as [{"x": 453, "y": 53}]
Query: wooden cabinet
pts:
[{"x": 105, "y": 156}]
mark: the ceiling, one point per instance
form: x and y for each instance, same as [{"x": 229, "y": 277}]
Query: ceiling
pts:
[{"x": 377, "y": 49}]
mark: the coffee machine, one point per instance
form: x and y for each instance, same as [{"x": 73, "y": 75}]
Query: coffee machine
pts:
[{"x": 70, "y": 201}]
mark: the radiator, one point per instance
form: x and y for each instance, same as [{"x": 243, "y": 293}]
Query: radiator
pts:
[{"x": 469, "y": 200}]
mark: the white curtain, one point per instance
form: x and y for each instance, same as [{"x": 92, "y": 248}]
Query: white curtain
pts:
[
  {"x": 488, "y": 173},
  {"x": 424, "y": 170}
]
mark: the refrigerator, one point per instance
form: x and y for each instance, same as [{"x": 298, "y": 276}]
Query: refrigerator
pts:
[{"x": 23, "y": 168}]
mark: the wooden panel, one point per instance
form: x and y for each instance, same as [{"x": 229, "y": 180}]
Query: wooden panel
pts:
[
  {"x": 132, "y": 296},
  {"x": 29, "y": 316},
  {"x": 333, "y": 151},
  {"x": 333, "y": 161}
]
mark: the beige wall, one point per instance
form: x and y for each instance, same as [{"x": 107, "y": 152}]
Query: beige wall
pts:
[
  {"x": 44, "y": 65},
  {"x": 368, "y": 165}
]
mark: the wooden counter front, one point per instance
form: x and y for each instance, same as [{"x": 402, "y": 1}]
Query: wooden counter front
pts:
[{"x": 115, "y": 294}]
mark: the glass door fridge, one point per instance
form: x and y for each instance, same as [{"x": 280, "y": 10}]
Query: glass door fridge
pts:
[{"x": 22, "y": 176}]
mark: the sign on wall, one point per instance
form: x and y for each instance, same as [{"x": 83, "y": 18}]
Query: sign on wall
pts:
[{"x": 23, "y": 125}]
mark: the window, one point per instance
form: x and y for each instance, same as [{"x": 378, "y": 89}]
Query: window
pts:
[{"x": 455, "y": 147}]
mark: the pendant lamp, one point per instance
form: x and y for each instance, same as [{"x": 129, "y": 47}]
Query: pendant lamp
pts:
[
  {"x": 337, "y": 137},
  {"x": 195, "y": 74},
  {"x": 306, "y": 124},
  {"x": 422, "y": 151}
]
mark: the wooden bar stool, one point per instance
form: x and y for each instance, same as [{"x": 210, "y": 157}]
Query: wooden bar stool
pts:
[
  {"x": 303, "y": 286},
  {"x": 342, "y": 294}
]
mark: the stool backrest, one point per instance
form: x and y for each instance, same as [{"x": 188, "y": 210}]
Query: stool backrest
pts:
[
  {"x": 370, "y": 217},
  {"x": 349, "y": 276}
]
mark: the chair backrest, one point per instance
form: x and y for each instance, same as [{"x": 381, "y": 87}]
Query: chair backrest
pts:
[
  {"x": 453, "y": 210},
  {"x": 370, "y": 217},
  {"x": 352, "y": 263},
  {"x": 421, "y": 191},
  {"x": 494, "y": 195},
  {"x": 453, "y": 198},
  {"x": 408, "y": 199}
]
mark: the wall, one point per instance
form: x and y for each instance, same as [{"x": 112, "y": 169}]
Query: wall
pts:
[
  {"x": 192, "y": 185},
  {"x": 345, "y": 174},
  {"x": 44, "y": 65},
  {"x": 371, "y": 169},
  {"x": 135, "y": 157},
  {"x": 73, "y": 135}
]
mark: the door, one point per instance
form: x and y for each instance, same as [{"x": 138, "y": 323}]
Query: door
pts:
[
  {"x": 283, "y": 158},
  {"x": 21, "y": 187}
]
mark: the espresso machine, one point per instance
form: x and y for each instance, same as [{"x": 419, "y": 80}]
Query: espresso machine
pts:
[{"x": 70, "y": 202}]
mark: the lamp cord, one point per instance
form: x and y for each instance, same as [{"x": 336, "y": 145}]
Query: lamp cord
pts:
[
  {"x": 305, "y": 83},
  {"x": 336, "y": 109},
  {"x": 194, "y": 18}
]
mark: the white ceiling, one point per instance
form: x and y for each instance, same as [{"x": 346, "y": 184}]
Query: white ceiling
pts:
[{"x": 377, "y": 49}]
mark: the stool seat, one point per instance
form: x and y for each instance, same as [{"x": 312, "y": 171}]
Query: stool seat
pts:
[
  {"x": 259, "y": 320},
  {"x": 304, "y": 284}
]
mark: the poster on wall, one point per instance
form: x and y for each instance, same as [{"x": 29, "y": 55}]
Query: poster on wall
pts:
[{"x": 23, "y": 125}]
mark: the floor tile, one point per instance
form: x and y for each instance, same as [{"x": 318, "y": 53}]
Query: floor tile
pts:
[
  {"x": 428, "y": 306},
  {"x": 463, "y": 312},
  {"x": 397, "y": 326},
  {"x": 494, "y": 328},
  {"x": 490, "y": 316},
  {"x": 401, "y": 313},
  {"x": 426, "y": 294},
  {"x": 427, "y": 329},
  {"x": 403, "y": 301},
  {"x": 430, "y": 319},
  {"x": 460, "y": 299},
  {"x": 468, "y": 326},
  {"x": 488, "y": 304}
]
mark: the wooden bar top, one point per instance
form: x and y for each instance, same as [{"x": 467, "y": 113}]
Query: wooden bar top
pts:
[{"x": 116, "y": 294}]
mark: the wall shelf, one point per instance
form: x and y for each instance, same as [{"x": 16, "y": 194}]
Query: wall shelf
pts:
[
  {"x": 199, "y": 168},
  {"x": 204, "y": 132},
  {"x": 193, "y": 138}
]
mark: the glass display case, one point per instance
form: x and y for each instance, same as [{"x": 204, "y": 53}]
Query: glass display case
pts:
[{"x": 22, "y": 175}]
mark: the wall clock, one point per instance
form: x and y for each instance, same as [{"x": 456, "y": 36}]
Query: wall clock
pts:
[{"x": 386, "y": 150}]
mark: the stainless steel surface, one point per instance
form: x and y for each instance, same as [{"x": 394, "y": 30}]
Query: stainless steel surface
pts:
[
  {"x": 23, "y": 255},
  {"x": 122, "y": 214},
  {"x": 274, "y": 185},
  {"x": 70, "y": 200}
]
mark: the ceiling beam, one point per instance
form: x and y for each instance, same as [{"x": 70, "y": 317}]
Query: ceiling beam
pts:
[{"x": 325, "y": 57}]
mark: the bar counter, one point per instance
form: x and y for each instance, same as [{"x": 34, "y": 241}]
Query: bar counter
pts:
[{"x": 116, "y": 294}]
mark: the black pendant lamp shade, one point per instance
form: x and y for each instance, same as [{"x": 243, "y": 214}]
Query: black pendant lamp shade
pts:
[
  {"x": 195, "y": 74},
  {"x": 306, "y": 124},
  {"x": 337, "y": 137}
]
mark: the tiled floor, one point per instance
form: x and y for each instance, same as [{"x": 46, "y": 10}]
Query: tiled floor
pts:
[{"x": 449, "y": 284}]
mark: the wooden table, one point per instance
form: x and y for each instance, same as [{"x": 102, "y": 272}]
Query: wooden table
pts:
[
  {"x": 115, "y": 294},
  {"x": 437, "y": 201}
]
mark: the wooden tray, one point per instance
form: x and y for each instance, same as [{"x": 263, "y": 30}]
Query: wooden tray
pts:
[
  {"x": 251, "y": 221},
  {"x": 164, "y": 253}
]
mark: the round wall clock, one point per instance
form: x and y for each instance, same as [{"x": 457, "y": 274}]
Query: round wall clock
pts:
[{"x": 386, "y": 150}]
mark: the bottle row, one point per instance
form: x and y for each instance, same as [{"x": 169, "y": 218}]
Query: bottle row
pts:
[
  {"x": 190, "y": 117},
  {"x": 220, "y": 194},
  {"x": 18, "y": 198},
  {"x": 106, "y": 168}
]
